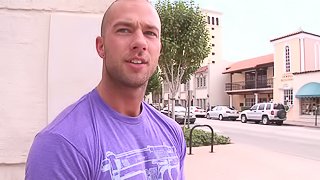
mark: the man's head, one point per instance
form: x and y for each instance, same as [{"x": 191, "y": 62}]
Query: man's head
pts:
[{"x": 130, "y": 42}]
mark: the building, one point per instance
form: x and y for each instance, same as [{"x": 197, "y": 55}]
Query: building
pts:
[
  {"x": 205, "y": 85},
  {"x": 46, "y": 48},
  {"x": 297, "y": 73},
  {"x": 251, "y": 81},
  {"x": 290, "y": 76}
]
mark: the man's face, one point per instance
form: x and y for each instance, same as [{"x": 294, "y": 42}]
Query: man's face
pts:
[{"x": 131, "y": 40}]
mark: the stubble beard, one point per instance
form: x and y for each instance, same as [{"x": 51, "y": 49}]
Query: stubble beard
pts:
[{"x": 128, "y": 80}]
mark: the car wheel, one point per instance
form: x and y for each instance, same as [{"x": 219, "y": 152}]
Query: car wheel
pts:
[
  {"x": 208, "y": 116},
  {"x": 279, "y": 123},
  {"x": 243, "y": 119},
  {"x": 220, "y": 117},
  {"x": 265, "y": 120}
]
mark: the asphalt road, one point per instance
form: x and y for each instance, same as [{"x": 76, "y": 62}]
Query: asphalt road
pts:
[{"x": 302, "y": 142}]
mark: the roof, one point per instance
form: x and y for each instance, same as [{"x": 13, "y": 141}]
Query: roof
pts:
[
  {"x": 249, "y": 64},
  {"x": 202, "y": 69},
  {"x": 305, "y": 72},
  {"x": 295, "y": 33},
  {"x": 309, "y": 90}
]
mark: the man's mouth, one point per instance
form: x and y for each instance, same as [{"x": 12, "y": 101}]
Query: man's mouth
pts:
[{"x": 136, "y": 61}]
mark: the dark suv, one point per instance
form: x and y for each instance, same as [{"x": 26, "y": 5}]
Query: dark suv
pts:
[{"x": 265, "y": 113}]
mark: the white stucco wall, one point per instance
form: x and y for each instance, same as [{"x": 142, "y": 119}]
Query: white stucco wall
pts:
[
  {"x": 217, "y": 81},
  {"x": 47, "y": 61}
]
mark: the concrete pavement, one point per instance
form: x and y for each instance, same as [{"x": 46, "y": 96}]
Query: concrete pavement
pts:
[{"x": 245, "y": 162}]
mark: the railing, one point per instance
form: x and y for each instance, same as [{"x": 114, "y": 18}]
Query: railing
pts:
[
  {"x": 190, "y": 137},
  {"x": 243, "y": 85}
]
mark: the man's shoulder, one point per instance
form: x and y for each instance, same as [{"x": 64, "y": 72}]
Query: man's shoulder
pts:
[
  {"x": 164, "y": 120},
  {"x": 71, "y": 118}
]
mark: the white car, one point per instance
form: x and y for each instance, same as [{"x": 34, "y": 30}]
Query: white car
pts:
[
  {"x": 198, "y": 111},
  {"x": 223, "y": 112},
  {"x": 180, "y": 114},
  {"x": 265, "y": 113}
]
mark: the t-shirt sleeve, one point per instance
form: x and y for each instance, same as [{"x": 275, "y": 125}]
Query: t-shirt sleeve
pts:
[{"x": 53, "y": 157}]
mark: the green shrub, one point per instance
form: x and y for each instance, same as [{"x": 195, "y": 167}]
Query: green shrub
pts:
[{"x": 203, "y": 138}]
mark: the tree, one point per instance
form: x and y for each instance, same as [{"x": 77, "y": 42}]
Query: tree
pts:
[
  {"x": 185, "y": 41},
  {"x": 154, "y": 83}
]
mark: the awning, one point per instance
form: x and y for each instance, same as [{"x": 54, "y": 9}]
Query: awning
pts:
[{"x": 309, "y": 90}]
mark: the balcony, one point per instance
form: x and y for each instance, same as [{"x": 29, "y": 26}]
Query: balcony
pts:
[{"x": 247, "y": 85}]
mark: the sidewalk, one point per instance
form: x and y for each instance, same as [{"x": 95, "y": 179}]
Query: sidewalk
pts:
[
  {"x": 245, "y": 162},
  {"x": 308, "y": 122}
]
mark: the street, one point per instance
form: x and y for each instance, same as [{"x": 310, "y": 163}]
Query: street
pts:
[
  {"x": 257, "y": 151},
  {"x": 292, "y": 140}
]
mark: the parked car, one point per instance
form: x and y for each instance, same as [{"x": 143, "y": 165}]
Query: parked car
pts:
[
  {"x": 180, "y": 114},
  {"x": 222, "y": 112},
  {"x": 198, "y": 111},
  {"x": 265, "y": 113}
]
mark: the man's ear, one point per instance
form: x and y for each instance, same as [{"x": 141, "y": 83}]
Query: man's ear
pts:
[{"x": 100, "y": 46}]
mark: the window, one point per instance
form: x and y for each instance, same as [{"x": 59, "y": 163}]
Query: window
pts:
[
  {"x": 212, "y": 45},
  {"x": 268, "y": 107},
  {"x": 212, "y": 28},
  {"x": 262, "y": 79},
  {"x": 213, "y": 53},
  {"x": 249, "y": 102},
  {"x": 287, "y": 56},
  {"x": 308, "y": 106},
  {"x": 288, "y": 97},
  {"x": 261, "y": 107},
  {"x": 250, "y": 80},
  {"x": 198, "y": 82},
  {"x": 201, "y": 81},
  {"x": 212, "y": 36},
  {"x": 254, "y": 107},
  {"x": 186, "y": 86},
  {"x": 208, "y": 19},
  {"x": 217, "y": 21},
  {"x": 212, "y": 20}
]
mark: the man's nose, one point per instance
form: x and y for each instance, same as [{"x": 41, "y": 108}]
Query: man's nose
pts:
[{"x": 139, "y": 41}]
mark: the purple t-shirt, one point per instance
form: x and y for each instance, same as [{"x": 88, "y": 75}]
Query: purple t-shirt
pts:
[{"x": 89, "y": 140}]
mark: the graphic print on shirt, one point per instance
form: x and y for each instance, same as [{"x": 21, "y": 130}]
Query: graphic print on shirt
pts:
[{"x": 151, "y": 163}]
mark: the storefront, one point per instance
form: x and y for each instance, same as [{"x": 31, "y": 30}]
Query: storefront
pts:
[{"x": 309, "y": 97}]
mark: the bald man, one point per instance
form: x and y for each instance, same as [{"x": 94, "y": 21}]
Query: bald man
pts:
[{"x": 110, "y": 133}]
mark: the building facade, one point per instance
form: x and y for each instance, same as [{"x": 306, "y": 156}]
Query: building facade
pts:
[
  {"x": 297, "y": 73},
  {"x": 251, "y": 81},
  {"x": 46, "y": 48},
  {"x": 290, "y": 76},
  {"x": 205, "y": 84}
]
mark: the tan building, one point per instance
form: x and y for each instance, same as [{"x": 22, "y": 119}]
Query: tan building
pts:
[
  {"x": 297, "y": 73},
  {"x": 251, "y": 81},
  {"x": 205, "y": 85},
  {"x": 290, "y": 76}
]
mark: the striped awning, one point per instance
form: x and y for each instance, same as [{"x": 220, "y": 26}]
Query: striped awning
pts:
[{"x": 309, "y": 90}]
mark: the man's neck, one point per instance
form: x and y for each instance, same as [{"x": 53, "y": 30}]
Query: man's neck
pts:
[{"x": 126, "y": 101}]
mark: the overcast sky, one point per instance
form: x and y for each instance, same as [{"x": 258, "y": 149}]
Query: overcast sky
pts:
[{"x": 249, "y": 25}]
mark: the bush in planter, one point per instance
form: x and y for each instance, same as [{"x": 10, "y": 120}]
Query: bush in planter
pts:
[{"x": 203, "y": 138}]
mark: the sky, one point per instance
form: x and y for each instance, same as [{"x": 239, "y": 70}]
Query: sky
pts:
[{"x": 249, "y": 25}]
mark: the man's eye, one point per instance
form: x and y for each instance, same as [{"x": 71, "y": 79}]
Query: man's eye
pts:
[
  {"x": 123, "y": 30},
  {"x": 150, "y": 33}
]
